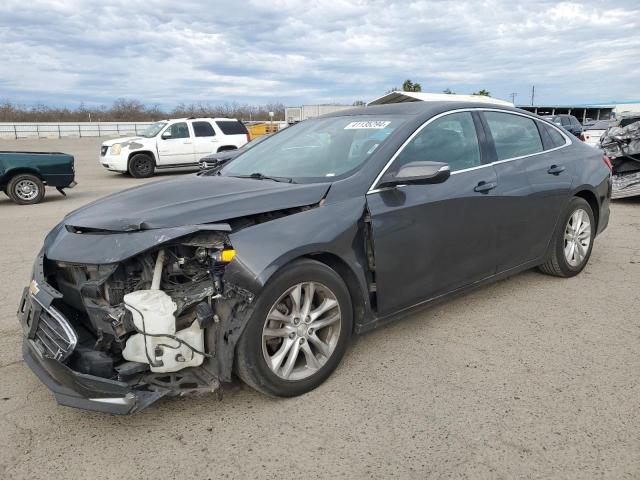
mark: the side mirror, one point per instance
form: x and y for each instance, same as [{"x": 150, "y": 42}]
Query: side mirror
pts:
[
  {"x": 417, "y": 173},
  {"x": 166, "y": 134}
]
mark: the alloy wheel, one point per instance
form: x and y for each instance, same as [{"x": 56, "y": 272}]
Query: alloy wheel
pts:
[
  {"x": 577, "y": 237},
  {"x": 301, "y": 331}
]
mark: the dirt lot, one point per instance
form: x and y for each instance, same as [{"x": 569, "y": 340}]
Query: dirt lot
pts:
[{"x": 532, "y": 377}]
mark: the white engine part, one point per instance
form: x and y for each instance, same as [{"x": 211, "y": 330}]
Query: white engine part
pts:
[{"x": 158, "y": 308}]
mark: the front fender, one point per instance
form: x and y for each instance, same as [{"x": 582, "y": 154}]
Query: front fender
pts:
[{"x": 262, "y": 249}]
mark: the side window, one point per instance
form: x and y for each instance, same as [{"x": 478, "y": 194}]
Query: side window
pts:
[
  {"x": 451, "y": 139},
  {"x": 203, "y": 129},
  {"x": 556, "y": 137},
  {"x": 513, "y": 135},
  {"x": 232, "y": 127},
  {"x": 179, "y": 130}
]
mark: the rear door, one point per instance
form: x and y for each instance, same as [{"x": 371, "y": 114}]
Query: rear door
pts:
[
  {"x": 534, "y": 181},
  {"x": 205, "y": 140},
  {"x": 175, "y": 145},
  {"x": 431, "y": 239}
]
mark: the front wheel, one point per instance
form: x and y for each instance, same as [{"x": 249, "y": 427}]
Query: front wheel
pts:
[
  {"x": 298, "y": 332},
  {"x": 572, "y": 242},
  {"x": 141, "y": 166}
]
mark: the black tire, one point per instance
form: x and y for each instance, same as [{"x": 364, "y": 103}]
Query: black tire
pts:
[
  {"x": 141, "y": 165},
  {"x": 556, "y": 263},
  {"x": 251, "y": 365},
  {"x": 25, "y": 189}
]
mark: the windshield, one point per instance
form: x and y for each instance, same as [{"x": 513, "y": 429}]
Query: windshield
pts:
[
  {"x": 153, "y": 129},
  {"x": 317, "y": 150}
]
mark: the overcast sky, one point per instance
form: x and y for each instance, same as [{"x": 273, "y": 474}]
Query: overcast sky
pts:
[{"x": 167, "y": 52}]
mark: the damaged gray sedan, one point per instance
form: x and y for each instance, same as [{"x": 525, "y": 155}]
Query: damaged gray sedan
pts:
[{"x": 264, "y": 267}]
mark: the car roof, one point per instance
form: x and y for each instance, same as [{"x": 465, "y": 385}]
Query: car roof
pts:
[{"x": 199, "y": 118}]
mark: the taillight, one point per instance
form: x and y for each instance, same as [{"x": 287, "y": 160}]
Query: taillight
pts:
[
  {"x": 248, "y": 137},
  {"x": 581, "y": 136},
  {"x": 607, "y": 162}
]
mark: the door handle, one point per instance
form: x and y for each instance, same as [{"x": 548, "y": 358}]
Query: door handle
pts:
[
  {"x": 556, "y": 169},
  {"x": 485, "y": 187},
  {"x": 187, "y": 142}
]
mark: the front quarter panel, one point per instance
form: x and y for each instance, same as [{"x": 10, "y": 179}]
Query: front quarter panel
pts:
[{"x": 262, "y": 249}]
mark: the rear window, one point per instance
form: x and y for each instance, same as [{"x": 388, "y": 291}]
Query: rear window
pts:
[
  {"x": 232, "y": 127},
  {"x": 513, "y": 135}
]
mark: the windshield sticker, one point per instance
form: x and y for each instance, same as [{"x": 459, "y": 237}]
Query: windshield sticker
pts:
[{"x": 376, "y": 124}]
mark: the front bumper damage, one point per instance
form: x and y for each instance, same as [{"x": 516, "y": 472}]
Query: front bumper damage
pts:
[
  {"x": 70, "y": 388},
  {"x": 53, "y": 338},
  {"x": 87, "y": 392}
]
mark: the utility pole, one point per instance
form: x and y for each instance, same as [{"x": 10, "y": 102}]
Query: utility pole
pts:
[
  {"x": 513, "y": 96},
  {"x": 533, "y": 94}
]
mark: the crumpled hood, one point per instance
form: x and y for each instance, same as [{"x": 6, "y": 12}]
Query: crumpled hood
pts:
[
  {"x": 191, "y": 200},
  {"x": 121, "y": 140}
]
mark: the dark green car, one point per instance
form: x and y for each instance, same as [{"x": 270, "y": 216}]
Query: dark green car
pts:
[{"x": 23, "y": 175}]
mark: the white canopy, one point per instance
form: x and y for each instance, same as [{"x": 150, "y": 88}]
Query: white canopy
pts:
[{"x": 399, "y": 97}]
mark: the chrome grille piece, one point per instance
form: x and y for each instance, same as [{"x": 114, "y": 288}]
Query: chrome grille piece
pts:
[{"x": 54, "y": 335}]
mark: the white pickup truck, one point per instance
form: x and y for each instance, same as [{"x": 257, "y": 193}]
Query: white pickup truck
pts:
[{"x": 172, "y": 143}]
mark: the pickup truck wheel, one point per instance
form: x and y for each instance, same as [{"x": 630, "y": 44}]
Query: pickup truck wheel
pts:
[
  {"x": 25, "y": 189},
  {"x": 141, "y": 166}
]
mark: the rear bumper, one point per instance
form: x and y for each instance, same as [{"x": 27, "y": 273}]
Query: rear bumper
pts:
[{"x": 87, "y": 392}]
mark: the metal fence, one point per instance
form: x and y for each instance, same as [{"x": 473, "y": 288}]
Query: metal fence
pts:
[{"x": 70, "y": 129}]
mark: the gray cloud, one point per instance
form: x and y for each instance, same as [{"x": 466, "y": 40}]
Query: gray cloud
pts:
[{"x": 291, "y": 51}]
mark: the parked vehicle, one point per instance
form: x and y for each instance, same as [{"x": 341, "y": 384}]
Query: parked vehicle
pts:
[
  {"x": 172, "y": 143},
  {"x": 217, "y": 159},
  {"x": 593, "y": 132},
  {"x": 23, "y": 175},
  {"x": 569, "y": 123},
  {"x": 267, "y": 265},
  {"x": 621, "y": 144}
]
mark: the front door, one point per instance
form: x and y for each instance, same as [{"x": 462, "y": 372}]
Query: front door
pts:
[
  {"x": 175, "y": 145},
  {"x": 431, "y": 239}
]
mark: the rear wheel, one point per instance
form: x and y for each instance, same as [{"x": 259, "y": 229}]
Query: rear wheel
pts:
[
  {"x": 298, "y": 332},
  {"x": 141, "y": 166},
  {"x": 572, "y": 242},
  {"x": 25, "y": 189}
]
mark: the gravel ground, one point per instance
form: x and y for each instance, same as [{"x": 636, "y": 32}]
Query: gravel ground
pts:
[{"x": 532, "y": 377}]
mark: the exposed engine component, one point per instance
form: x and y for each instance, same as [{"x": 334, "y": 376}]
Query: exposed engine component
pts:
[
  {"x": 149, "y": 312},
  {"x": 158, "y": 343}
]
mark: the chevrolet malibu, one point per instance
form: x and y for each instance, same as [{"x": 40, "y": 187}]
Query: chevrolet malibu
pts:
[{"x": 266, "y": 266}]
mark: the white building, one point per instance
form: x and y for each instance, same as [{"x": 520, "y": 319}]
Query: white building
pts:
[{"x": 298, "y": 114}]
